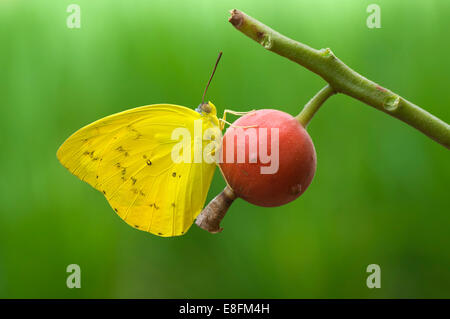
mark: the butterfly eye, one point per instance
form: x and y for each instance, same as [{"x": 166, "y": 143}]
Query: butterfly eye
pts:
[{"x": 205, "y": 107}]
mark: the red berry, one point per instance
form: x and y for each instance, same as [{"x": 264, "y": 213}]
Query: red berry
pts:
[{"x": 296, "y": 158}]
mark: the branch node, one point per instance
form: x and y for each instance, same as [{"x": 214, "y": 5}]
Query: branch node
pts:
[
  {"x": 266, "y": 41},
  {"x": 327, "y": 53},
  {"x": 237, "y": 18},
  {"x": 391, "y": 103}
]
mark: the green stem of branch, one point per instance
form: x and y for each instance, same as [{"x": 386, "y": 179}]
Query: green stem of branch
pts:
[
  {"x": 314, "y": 104},
  {"x": 342, "y": 78}
]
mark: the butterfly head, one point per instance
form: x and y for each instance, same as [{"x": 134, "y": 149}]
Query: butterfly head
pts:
[{"x": 207, "y": 109}]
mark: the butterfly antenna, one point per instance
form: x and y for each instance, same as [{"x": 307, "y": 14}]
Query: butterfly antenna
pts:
[{"x": 214, "y": 71}]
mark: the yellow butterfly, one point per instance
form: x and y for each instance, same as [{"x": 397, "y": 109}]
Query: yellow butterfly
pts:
[{"x": 128, "y": 157}]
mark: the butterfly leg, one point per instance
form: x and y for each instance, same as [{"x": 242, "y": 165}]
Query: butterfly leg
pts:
[
  {"x": 223, "y": 175},
  {"x": 223, "y": 120}
]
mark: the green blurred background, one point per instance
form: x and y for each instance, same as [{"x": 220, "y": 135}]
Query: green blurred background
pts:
[{"x": 381, "y": 191}]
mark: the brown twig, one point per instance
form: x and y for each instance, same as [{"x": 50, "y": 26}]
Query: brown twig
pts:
[{"x": 211, "y": 216}]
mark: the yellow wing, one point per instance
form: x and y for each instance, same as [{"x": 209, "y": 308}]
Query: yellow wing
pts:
[{"x": 127, "y": 156}]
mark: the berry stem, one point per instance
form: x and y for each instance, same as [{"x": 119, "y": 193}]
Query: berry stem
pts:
[
  {"x": 211, "y": 216},
  {"x": 342, "y": 78},
  {"x": 314, "y": 104}
]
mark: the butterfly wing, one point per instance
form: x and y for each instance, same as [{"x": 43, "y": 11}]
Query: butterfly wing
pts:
[{"x": 127, "y": 156}]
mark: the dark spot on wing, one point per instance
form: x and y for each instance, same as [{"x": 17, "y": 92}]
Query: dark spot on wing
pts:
[
  {"x": 133, "y": 180},
  {"x": 174, "y": 174},
  {"x": 144, "y": 156},
  {"x": 116, "y": 210},
  {"x": 159, "y": 233},
  {"x": 118, "y": 165},
  {"x": 149, "y": 162},
  {"x": 173, "y": 204},
  {"x": 104, "y": 192},
  {"x": 124, "y": 171}
]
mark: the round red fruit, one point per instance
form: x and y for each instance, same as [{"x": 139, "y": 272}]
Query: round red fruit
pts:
[{"x": 268, "y": 158}]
